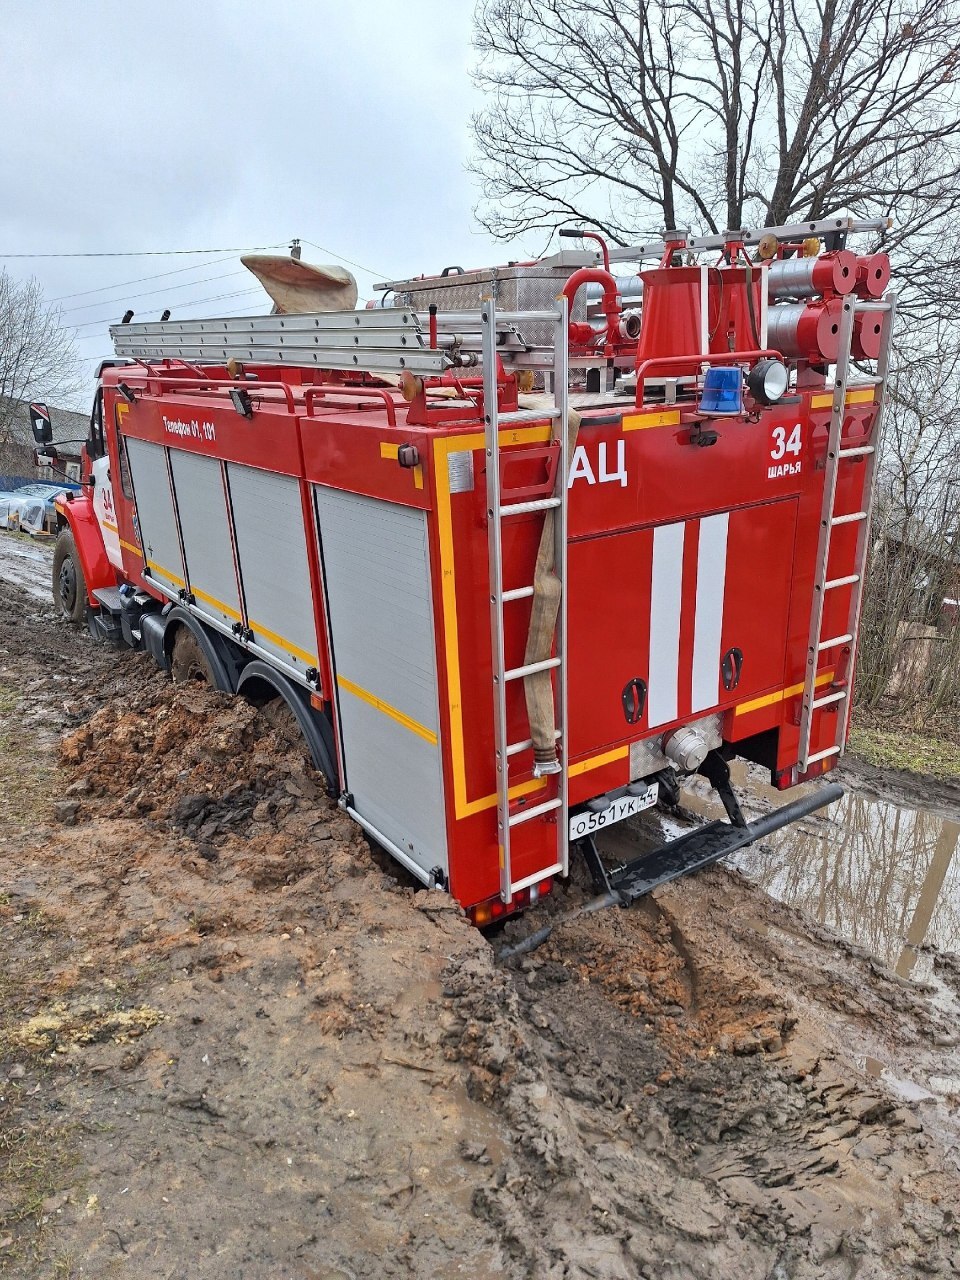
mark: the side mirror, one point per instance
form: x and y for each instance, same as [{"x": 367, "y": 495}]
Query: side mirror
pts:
[
  {"x": 47, "y": 457},
  {"x": 41, "y": 424}
]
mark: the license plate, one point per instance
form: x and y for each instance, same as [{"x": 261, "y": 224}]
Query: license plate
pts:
[{"x": 591, "y": 820}]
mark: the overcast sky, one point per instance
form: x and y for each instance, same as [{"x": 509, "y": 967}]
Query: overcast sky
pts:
[{"x": 211, "y": 124}]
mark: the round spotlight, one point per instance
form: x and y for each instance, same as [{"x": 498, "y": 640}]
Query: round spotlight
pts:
[{"x": 767, "y": 381}]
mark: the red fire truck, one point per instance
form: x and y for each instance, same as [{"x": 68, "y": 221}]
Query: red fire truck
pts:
[{"x": 519, "y": 547}]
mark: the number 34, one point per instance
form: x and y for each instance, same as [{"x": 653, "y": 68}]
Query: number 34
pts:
[{"x": 783, "y": 445}]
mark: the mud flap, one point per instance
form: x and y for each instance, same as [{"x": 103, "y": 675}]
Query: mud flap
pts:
[{"x": 696, "y": 849}]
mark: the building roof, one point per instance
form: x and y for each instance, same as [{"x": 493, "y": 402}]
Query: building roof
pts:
[{"x": 68, "y": 425}]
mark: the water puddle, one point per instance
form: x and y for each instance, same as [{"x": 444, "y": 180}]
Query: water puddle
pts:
[
  {"x": 883, "y": 875},
  {"x": 906, "y": 1090}
]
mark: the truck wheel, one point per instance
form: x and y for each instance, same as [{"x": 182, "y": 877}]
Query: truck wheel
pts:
[
  {"x": 278, "y": 713},
  {"x": 187, "y": 660},
  {"x": 69, "y": 585}
]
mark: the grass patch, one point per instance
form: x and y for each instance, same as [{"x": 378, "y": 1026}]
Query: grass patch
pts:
[{"x": 892, "y": 748}]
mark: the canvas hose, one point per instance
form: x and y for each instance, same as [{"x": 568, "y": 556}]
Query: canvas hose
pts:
[{"x": 545, "y": 607}]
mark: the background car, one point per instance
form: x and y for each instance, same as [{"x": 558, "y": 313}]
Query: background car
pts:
[{"x": 30, "y": 507}]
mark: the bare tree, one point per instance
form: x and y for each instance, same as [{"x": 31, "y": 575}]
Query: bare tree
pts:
[
  {"x": 38, "y": 358},
  {"x": 670, "y": 113},
  {"x": 908, "y": 649},
  {"x": 673, "y": 113}
]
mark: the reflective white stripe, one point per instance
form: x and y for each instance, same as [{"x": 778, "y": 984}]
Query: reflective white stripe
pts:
[
  {"x": 666, "y": 593},
  {"x": 708, "y": 624}
]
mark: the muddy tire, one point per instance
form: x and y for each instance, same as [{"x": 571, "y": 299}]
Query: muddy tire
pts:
[
  {"x": 279, "y": 715},
  {"x": 69, "y": 584},
  {"x": 188, "y": 661}
]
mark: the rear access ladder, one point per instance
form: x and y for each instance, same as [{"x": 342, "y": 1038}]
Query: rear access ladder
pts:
[
  {"x": 838, "y": 699},
  {"x": 510, "y": 815}
]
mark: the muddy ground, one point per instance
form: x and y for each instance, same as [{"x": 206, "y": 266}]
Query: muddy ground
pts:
[{"x": 234, "y": 1043}]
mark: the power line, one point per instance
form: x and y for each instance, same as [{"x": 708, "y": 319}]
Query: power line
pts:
[
  {"x": 149, "y": 253},
  {"x": 120, "y": 284},
  {"x": 340, "y": 258},
  {"x": 193, "y": 302},
  {"x": 105, "y": 322},
  {"x": 99, "y": 337},
  {"x": 255, "y": 309},
  {"x": 218, "y": 297},
  {"x": 160, "y": 275},
  {"x": 150, "y": 293}
]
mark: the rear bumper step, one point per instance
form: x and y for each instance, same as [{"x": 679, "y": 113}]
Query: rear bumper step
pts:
[{"x": 697, "y": 849}]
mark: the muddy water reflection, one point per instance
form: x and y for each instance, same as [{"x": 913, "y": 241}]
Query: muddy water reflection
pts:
[{"x": 886, "y": 877}]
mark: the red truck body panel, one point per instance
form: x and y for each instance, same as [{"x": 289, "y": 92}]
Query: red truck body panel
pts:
[
  {"x": 678, "y": 555},
  {"x": 77, "y": 512}
]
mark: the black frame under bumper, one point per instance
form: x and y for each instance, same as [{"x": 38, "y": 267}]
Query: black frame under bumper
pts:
[{"x": 697, "y": 848}]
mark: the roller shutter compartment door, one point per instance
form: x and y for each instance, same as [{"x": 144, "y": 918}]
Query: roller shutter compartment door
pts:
[
  {"x": 156, "y": 520},
  {"x": 201, "y": 505},
  {"x": 377, "y": 576},
  {"x": 272, "y": 551}
]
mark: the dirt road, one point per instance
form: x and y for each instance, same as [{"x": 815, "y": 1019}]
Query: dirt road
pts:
[
  {"x": 235, "y": 1043},
  {"x": 26, "y": 563}
]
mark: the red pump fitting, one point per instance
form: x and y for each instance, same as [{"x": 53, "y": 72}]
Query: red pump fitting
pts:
[
  {"x": 592, "y": 235},
  {"x": 806, "y": 331},
  {"x": 873, "y": 275},
  {"x": 825, "y": 275},
  {"x": 610, "y": 306},
  {"x": 868, "y": 335},
  {"x": 574, "y": 233}
]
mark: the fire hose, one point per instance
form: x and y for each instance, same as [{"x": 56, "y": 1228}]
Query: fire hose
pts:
[{"x": 545, "y": 608}]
